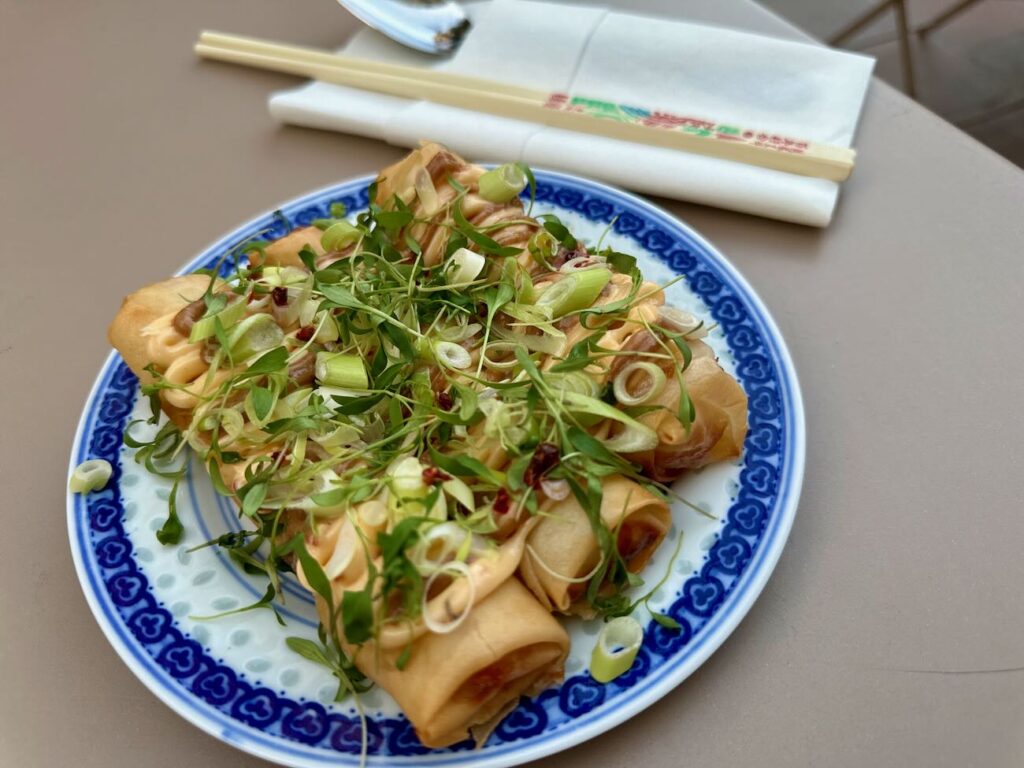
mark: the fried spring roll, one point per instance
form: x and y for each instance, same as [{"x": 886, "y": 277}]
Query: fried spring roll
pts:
[{"x": 563, "y": 549}]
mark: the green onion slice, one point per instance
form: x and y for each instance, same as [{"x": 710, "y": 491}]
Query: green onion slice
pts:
[
  {"x": 542, "y": 246},
  {"x": 452, "y": 355},
  {"x": 438, "y": 545},
  {"x": 447, "y": 623},
  {"x": 575, "y": 291},
  {"x": 464, "y": 266},
  {"x": 326, "y": 328},
  {"x": 336, "y": 369},
  {"x": 503, "y": 183},
  {"x": 550, "y": 342},
  {"x": 91, "y": 475},
  {"x": 206, "y": 326},
  {"x": 339, "y": 235},
  {"x": 461, "y": 492},
  {"x": 652, "y": 381},
  {"x": 253, "y": 335},
  {"x": 635, "y": 437},
  {"x": 344, "y": 552},
  {"x": 616, "y": 648},
  {"x": 515, "y": 274},
  {"x": 500, "y": 355},
  {"x": 284, "y": 276},
  {"x": 682, "y": 322},
  {"x": 426, "y": 192},
  {"x": 581, "y": 384},
  {"x": 459, "y": 331}
]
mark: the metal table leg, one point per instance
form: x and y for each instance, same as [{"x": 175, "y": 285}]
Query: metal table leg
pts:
[
  {"x": 945, "y": 17},
  {"x": 900, "y": 11}
]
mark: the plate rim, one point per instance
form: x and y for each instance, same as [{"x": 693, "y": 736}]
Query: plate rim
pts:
[{"x": 757, "y": 573}]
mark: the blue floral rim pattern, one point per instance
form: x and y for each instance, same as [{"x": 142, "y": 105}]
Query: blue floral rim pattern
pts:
[{"x": 708, "y": 606}]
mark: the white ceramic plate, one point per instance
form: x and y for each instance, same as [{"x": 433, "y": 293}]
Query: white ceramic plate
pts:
[{"x": 235, "y": 678}]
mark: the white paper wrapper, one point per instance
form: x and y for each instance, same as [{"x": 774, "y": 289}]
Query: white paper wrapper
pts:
[{"x": 795, "y": 89}]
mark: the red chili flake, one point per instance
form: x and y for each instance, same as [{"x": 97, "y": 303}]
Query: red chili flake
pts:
[
  {"x": 252, "y": 295},
  {"x": 305, "y": 333},
  {"x": 256, "y": 272},
  {"x": 502, "y": 502},
  {"x": 444, "y": 401},
  {"x": 280, "y": 296},
  {"x": 433, "y": 476},
  {"x": 545, "y": 457}
]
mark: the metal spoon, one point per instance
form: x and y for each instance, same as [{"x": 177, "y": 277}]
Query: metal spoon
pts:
[{"x": 433, "y": 27}]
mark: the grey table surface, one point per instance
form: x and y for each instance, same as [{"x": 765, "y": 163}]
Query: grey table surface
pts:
[{"x": 891, "y": 632}]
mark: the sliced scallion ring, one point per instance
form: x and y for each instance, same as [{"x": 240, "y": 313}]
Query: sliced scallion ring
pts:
[
  {"x": 346, "y": 434},
  {"x": 634, "y": 438},
  {"x": 498, "y": 348},
  {"x": 549, "y": 343},
  {"x": 426, "y": 192},
  {"x": 542, "y": 245},
  {"x": 326, "y": 328},
  {"x": 464, "y": 266},
  {"x": 253, "y": 335},
  {"x": 616, "y": 649},
  {"x": 339, "y": 235},
  {"x": 232, "y": 423},
  {"x": 461, "y": 492},
  {"x": 206, "y": 326},
  {"x": 460, "y": 332},
  {"x": 576, "y": 291},
  {"x": 556, "y": 490},
  {"x": 449, "y": 622},
  {"x": 516, "y": 274},
  {"x": 407, "y": 477},
  {"x": 91, "y": 475},
  {"x": 501, "y": 184},
  {"x": 336, "y": 369},
  {"x": 308, "y": 309},
  {"x": 437, "y": 546},
  {"x": 654, "y": 382},
  {"x": 452, "y": 355},
  {"x": 344, "y": 551},
  {"x": 682, "y": 322},
  {"x": 579, "y": 383},
  {"x": 284, "y": 276}
]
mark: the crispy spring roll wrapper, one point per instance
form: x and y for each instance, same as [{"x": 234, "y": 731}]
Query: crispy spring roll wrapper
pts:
[
  {"x": 420, "y": 180},
  {"x": 649, "y": 298},
  {"x": 508, "y": 646},
  {"x": 719, "y": 427},
  {"x": 284, "y": 252},
  {"x": 563, "y": 543},
  {"x": 141, "y": 308},
  {"x": 143, "y": 333}
]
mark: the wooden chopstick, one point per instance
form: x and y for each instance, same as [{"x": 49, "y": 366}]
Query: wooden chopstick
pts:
[
  {"x": 558, "y": 110},
  {"x": 315, "y": 56}
]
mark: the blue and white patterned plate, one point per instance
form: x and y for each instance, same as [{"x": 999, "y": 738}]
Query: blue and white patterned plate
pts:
[{"x": 234, "y": 676}]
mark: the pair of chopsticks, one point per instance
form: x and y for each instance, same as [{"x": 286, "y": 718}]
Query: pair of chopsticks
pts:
[{"x": 574, "y": 113}]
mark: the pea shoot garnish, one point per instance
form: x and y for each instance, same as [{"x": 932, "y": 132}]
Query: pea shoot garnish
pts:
[{"x": 432, "y": 410}]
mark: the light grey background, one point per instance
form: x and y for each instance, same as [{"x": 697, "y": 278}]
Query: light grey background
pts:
[{"x": 881, "y": 637}]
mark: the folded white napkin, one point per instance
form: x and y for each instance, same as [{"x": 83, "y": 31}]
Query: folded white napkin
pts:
[{"x": 780, "y": 87}]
